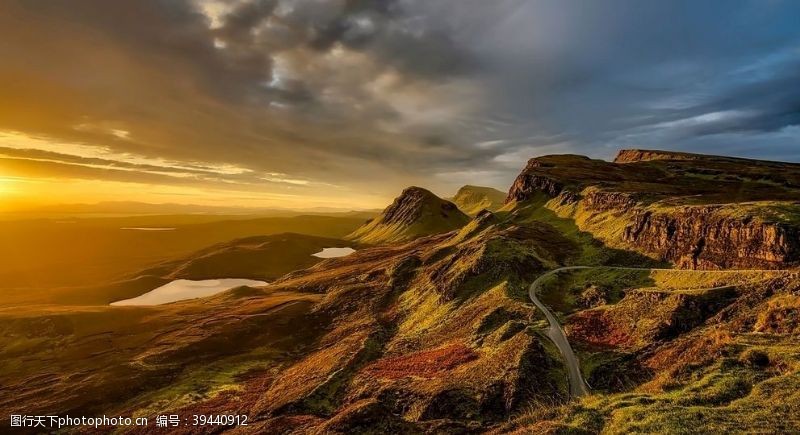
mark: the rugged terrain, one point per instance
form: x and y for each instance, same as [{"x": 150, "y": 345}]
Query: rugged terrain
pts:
[
  {"x": 699, "y": 212},
  {"x": 428, "y": 328},
  {"x": 416, "y": 212}
]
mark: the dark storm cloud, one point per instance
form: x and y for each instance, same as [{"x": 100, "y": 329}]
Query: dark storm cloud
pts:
[{"x": 375, "y": 94}]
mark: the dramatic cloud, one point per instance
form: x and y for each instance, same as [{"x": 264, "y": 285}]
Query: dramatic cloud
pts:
[{"x": 360, "y": 98}]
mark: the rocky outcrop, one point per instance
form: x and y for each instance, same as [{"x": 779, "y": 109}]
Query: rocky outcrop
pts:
[
  {"x": 636, "y": 155},
  {"x": 528, "y": 184},
  {"x": 700, "y": 238},
  {"x": 677, "y": 207},
  {"x": 555, "y": 175},
  {"x": 599, "y": 200},
  {"x": 416, "y": 212}
]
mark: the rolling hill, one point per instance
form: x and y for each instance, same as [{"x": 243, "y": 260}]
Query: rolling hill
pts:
[
  {"x": 472, "y": 199},
  {"x": 437, "y": 334}
]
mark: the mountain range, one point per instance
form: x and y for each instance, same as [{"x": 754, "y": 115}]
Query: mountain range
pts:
[{"x": 682, "y": 314}]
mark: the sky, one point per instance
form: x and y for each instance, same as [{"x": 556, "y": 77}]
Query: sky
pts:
[{"x": 343, "y": 103}]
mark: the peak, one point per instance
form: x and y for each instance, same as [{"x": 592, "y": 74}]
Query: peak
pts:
[
  {"x": 412, "y": 200},
  {"x": 416, "y": 212},
  {"x": 417, "y": 191}
]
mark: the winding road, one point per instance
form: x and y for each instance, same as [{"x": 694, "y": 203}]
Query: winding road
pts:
[{"x": 577, "y": 385}]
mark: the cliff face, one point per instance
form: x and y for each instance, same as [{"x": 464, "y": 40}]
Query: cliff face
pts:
[
  {"x": 629, "y": 156},
  {"x": 526, "y": 186},
  {"x": 695, "y": 211},
  {"x": 699, "y": 238}
]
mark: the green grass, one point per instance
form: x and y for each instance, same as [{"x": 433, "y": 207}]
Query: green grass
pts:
[
  {"x": 562, "y": 291},
  {"x": 203, "y": 382},
  {"x": 729, "y": 396}
]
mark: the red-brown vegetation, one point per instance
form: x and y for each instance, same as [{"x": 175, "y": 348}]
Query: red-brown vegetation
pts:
[{"x": 427, "y": 364}]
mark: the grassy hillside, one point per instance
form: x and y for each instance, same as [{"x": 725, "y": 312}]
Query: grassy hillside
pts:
[
  {"x": 472, "y": 199},
  {"x": 678, "y": 361},
  {"x": 431, "y": 330},
  {"x": 416, "y": 212}
]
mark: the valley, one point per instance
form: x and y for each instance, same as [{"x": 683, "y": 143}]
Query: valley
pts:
[{"x": 657, "y": 293}]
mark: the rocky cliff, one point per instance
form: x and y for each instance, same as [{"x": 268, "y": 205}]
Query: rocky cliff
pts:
[
  {"x": 695, "y": 211},
  {"x": 701, "y": 238}
]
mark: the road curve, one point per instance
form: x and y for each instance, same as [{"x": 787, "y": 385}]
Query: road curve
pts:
[{"x": 577, "y": 385}]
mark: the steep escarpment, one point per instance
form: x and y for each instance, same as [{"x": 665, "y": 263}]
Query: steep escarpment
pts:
[
  {"x": 701, "y": 212},
  {"x": 702, "y": 237},
  {"x": 416, "y": 212}
]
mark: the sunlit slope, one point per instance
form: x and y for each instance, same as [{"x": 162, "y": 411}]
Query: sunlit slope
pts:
[
  {"x": 472, "y": 199},
  {"x": 672, "y": 354},
  {"x": 694, "y": 211},
  {"x": 416, "y": 212}
]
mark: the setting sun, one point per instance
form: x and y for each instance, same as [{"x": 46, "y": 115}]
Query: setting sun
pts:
[{"x": 399, "y": 216}]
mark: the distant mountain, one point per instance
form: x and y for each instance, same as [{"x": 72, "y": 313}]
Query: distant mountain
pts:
[
  {"x": 436, "y": 335},
  {"x": 416, "y": 212},
  {"x": 258, "y": 257},
  {"x": 472, "y": 199}
]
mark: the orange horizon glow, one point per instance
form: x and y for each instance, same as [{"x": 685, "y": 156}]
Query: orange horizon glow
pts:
[{"x": 183, "y": 184}]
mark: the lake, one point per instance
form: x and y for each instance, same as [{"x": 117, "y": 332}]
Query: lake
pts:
[
  {"x": 182, "y": 289},
  {"x": 147, "y": 229},
  {"x": 333, "y": 252}
]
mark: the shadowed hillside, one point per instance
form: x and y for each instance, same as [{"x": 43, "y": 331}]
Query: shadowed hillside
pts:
[
  {"x": 428, "y": 327},
  {"x": 416, "y": 212}
]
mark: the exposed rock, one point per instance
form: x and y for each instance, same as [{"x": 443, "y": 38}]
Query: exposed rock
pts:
[
  {"x": 677, "y": 207},
  {"x": 699, "y": 238},
  {"x": 526, "y": 185},
  {"x": 636, "y": 155},
  {"x": 416, "y": 212}
]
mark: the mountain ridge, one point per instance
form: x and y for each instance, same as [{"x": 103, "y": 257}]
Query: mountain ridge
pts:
[
  {"x": 416, "y": 212},
  {"x": 708, "y": 212}
]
